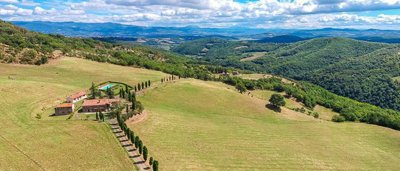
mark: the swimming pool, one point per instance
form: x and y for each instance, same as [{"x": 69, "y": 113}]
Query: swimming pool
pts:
[{"x": 106, "y": 87}]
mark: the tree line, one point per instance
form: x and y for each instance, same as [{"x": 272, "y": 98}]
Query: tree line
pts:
[
  {"x": 138, "y": 143},
  {"x": 311, "y": 95}
]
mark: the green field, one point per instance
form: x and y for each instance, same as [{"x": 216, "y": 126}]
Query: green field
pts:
[
  {"x": 254, "y": 56},
  {"x": 54, "y": 143},
  {"x": 197, "y": 125}
]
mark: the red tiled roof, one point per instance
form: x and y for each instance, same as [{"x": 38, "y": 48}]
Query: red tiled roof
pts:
[
  {"x": 65, "y": 105},
  {"x": 77, "y": 95},
  {"x": 98, "y": 102}
]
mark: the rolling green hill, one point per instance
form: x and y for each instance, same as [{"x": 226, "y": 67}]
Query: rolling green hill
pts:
[
  {"x": 357, "y": 69},
  {"x": 226, "y": 130},
  {"x": 286, "y": 58}
]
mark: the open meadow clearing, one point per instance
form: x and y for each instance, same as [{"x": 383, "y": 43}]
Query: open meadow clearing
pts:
[
  {"x": 197, "y": 125},
  {"x": 54, "y": 143}
]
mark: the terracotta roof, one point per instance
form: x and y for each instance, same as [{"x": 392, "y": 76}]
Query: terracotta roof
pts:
[
  {"x": 65, "y": 105},
  {"x": 77, "y": 95},
  {"x": 98, "y": 102}
]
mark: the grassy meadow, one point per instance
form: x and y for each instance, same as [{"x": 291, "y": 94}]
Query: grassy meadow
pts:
[
  {"x": 54, "y": 143},
  {"x": 197, "y": 125}
]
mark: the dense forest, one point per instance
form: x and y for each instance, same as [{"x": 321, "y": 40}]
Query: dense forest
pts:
[{"x": 361, "y": 70}]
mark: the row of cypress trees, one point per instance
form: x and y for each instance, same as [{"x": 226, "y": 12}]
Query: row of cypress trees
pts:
[
  {"x": 138, "y": 143},
  {"x": 169, "y": 78}
]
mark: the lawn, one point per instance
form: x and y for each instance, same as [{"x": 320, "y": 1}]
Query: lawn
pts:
[
  {"x": 54, "y": 143},
  {"x": 197, "y": 125}
]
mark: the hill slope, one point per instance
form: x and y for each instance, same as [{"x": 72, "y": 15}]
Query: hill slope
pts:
[
  {"x": 356, "y": 69},
  {"x": 226, "y": 130},
  {"x": 55, "y": 143}
]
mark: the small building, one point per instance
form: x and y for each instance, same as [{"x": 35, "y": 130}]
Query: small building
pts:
[
  {"x": 77, "y": 97},
  {"x": 98, "y": 105},
  {"x": 64, "y": 109}
]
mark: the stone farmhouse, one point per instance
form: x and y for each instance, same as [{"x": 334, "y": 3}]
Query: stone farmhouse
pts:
[
  {"x": 98, "y": 105},
  {"x": 64, "y": 109}
]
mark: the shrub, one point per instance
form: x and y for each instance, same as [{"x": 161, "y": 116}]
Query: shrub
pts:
[{"x": 338, "y": 118}]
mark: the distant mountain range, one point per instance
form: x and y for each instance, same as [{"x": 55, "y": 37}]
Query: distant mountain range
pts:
[{"x": 74, "y": 29}]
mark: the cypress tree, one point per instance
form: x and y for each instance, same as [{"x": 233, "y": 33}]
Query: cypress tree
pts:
[
  {"x": 126, "y": 88},
  {"x": 133, "y": 138},
  {"x": 145, "y": 153},
  {"x": 137, "y": 141},
  {"x": 93, "y": 91},
  {"x": 133, "y": 97},
  {"x": 135, "y": 89},
  {"x": 139, "y": 86},
  {"x": 133, "y": 105},
  {"x": 143, "y": 86},
  {"x": 151, "y": 161},
  {"x": 140, "y": 147},
  {"x": 149, "y": 83},
  {"x": 155, "y": 165},
  {"x": 97, "y": 116},
  {"x": 127, "y": 109}
]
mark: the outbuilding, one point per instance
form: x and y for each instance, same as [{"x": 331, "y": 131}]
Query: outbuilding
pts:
[
  {"x": 76, "y": 97},
  {"x": 64, "y": 109}
]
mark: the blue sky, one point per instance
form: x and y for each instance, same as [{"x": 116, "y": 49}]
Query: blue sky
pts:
[{"x": 364, "y": 14}]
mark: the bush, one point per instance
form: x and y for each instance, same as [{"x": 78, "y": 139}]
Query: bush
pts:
[{"x": 338, "y": 118}]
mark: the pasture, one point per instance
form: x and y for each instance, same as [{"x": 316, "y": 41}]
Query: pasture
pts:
[
  {"x": 198, "y": 125},
  {"x": 54, "y": 143}
]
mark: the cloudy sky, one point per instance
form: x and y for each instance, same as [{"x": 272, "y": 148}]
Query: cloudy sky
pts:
[{"x": 382, "y": 14}]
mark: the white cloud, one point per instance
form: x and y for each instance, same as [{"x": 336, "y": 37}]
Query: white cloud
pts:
[
  {"x": 212, "y": 13},
  {"x": 41, "y": 11},
  {"x": 9, "y": 1}
]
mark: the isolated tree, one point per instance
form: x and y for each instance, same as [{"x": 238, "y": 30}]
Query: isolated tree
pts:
[
  {"x": 97, "y": 116},
  {"x": 140, "y": 147},
  {"x": 145, "y": 153},
  {"x": 277, "y": 100},
  {"x": 151, "y": 161}
]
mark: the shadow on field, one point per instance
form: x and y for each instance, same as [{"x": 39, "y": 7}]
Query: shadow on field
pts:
[
  {"x": 139, "y": 162},
  {"x": 135, "y": 156},
  {"x": 274, "y": 108}
]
